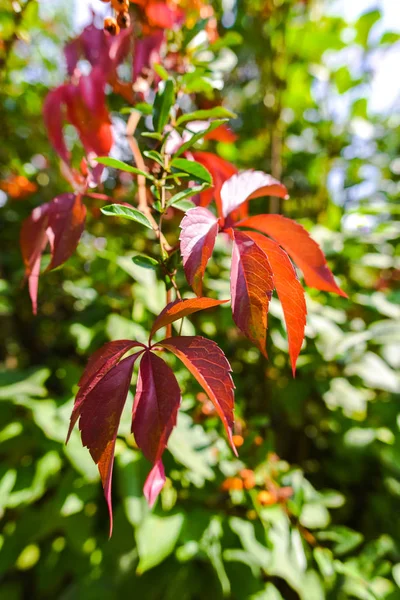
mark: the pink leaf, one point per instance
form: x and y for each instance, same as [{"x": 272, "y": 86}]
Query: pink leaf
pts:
[
  {"x": 251, "y": 289},
  {"x": 290, "y": 292},
  {"x": 154, "y": 483},
  {"x": 301, "y": 248},
  {"x": 156, "y": 406},
  {"x": 208, "y": 364},
  {"x": 199, "y": 232},
  {"x": 246, "y": 186},
  {"x": 182, "y": 308},
  {"x": 100, "y": 415}
]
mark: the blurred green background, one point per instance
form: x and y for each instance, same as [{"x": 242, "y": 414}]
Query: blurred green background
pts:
[{"x": 320, "y": 453}]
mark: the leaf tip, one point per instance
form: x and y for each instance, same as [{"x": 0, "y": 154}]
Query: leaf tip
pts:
[{"x": 154, "y": 483}]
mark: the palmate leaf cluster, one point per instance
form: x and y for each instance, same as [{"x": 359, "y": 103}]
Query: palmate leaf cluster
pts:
[{"x": 331, "y": 435}]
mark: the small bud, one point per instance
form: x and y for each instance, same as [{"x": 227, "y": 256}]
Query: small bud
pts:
[
  {"x": 111, "y": 26},
  {"x": 123, "y": 20},
  {"x": 120, "y": 5}
]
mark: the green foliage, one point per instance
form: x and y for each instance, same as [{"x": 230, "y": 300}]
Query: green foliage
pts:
[{"x": 330, "y": 437}]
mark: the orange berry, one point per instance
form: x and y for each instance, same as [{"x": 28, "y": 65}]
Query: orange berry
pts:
[
  {"x": 249, "y": 482},
  {"x": 238, "y": 440},
  {"x": 266, "y": 498},
  {"x": 120, "y": 5},
  {"x": 232, "y": 483},
  {"x": 111, "y": 26},
  {"x": 244, "y": 473}
]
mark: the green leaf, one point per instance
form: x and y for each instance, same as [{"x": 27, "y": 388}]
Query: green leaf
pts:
[
  {"x": 153, "y": 135},
  {"x": 324, "y": 559},
  {"x": 154, "y": 155},
  {"x": 145, "y": 261},
  {"x": 118, "y": 210},
  {"x": 246, "y": 533},
  {"x": 184, "y": 205},
  {"x": 365, "y": 24},
  {"x": 142, "y": 107},
  {"x": 14, "y": 384},
  {"x": 190, "y": 34},
  {"x": 186, "y": 194},
  {"x": 161, "y": 71},
  {"x": 156, "y": 539},
  {"x": 199, "y": 136},
  {"x": 162, "y": 105},
  {"x": 314, "y": 516},
  {"x": 114, "y": 163},
  {"x": 231, "y": 38},
  {"x": 218, "y": 112},
  {"x": 193, "y": 168},
  {"x": 344, "y": 539}
]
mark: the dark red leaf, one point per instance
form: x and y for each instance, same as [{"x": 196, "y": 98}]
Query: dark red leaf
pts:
[
  {"x": 199, "y": 232},
  {"x": 156, "y": 406},
  {"x": 100, "y": 415},
  {"x": 98, "y": 48},
  {"x": 301, "y": 248},
  {"x": 246, "y": 186},
  {"x": 251, "y": 288},
  {"x": 104, "y": 359},
  {"x": 182, "y": 308},
  {"x": 59, "y": 223},
  {"x": 208, "y": 364},
  {"x": 147, "y": 52},
  {"x": 290, "y": 292},
  {"x": 66, "y": 224},
  {"x": 53, "y": 115}
]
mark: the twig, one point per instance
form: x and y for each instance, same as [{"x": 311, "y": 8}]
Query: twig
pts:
[{"x": 142, "y": 190}]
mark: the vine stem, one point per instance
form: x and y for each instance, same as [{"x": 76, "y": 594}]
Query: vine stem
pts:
[{"x": 142, "y": 191}]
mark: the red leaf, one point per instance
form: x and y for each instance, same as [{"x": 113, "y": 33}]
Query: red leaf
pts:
[
  {"x": 156, "y": 406},
  {"x": 199, "y": 232},
  {"x": 222, "y": 134},
  {"x": 290, "y": 292},
  {"x": 66, "y": 224},
  {"x": 251, "y": 289},
  {"x": 208, "y": 364},
  {"x": 162, "y": 16},
  {"x": 154, "y": 483},
  {"x": 301, "y": 248},
  {"x": 182, "y": 308},
  {"x": 147, "y": 52},
  {"x": 220, "y": 170},
  {"x": 100, "y": 415},
  {"x": 104, "y": 359},
  {"x": 61, "y": 223},
  {"x": 246, "y": 186},
  {"x": 53, "y": 116},
  {"x": 87, "y": 112}
]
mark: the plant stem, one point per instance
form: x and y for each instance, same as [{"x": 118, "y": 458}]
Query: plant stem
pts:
[{"x": 142, "y": 191}]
